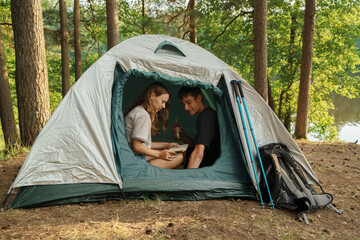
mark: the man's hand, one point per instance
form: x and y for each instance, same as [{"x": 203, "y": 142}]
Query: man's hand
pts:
[
  {"x": 183, "y": 137},
  {"x": 177, "y": 131}
]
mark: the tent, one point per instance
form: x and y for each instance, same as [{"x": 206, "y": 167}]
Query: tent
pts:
[{"x": 82, "y": 154}]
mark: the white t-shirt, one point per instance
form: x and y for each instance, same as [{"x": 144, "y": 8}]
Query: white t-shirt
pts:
[{"x": 138, "y": 126}]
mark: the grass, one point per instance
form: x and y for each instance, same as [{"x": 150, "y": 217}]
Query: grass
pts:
[
  {"x": 5, "y": 154},
  {"x": 16, "y": 151},
  {"x": 154, "y": 202},
  {"x": 2, "y": 144}
]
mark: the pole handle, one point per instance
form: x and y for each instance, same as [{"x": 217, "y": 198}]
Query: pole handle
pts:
[
  {"x": 240, "y": 89},
  {"x": 233, "y": 83}
]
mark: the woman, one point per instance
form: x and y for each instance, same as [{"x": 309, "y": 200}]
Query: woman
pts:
[{"x": 143, "y": 119}]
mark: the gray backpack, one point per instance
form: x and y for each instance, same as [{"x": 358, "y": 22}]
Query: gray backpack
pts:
[{"x": 288, "y": 185}]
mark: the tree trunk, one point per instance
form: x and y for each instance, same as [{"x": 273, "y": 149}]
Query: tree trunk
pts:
[
  {"x": 285, "y": 112},
  {"x": 112, "y": 18},
  {"x": 6, "y": 109},
  {"x": 260, "y": 52},
  {"x": 305, "y": 72},
  {"x": 292, "y": 47},
  {"x": 270, "y": 96},
  {"x": 288, "y": 111},
  {"x": 143, "y": 17},
  {"x": 77, "y": 42},
  {"x": 65, "y": 70},
  {"x": 193, "y": 38},
  {"x": 280, "y": 104},
  {"x": 31, "y": 70}
]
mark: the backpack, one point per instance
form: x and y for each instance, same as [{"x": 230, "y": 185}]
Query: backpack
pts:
[{"x": 287, "y": 183}]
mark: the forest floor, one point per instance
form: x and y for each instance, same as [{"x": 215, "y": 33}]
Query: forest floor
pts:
[{"x": 337, "y": 166}]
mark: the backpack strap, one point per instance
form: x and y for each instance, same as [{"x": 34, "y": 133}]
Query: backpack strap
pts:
[
  {"x": 337, "y": 210},
  {"x": 302, "y": 217},
  {"x": 293, "y": 164},
  {"x": 277, "y": 176},
  {"x": 322, "y": 200},
  {"x": 316, "y": 200},
  {"x": 302, "y": 198}
]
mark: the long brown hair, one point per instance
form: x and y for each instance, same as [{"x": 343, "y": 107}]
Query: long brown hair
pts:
[{"x": 158, "y": 119}]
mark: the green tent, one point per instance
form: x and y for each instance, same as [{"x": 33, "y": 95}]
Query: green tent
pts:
[{"x": 82, "y": 154}]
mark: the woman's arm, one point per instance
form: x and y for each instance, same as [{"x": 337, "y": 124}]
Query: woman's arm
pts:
[
  {"x": 163, "y": 145},
  {"x": 138, "y": 147}
]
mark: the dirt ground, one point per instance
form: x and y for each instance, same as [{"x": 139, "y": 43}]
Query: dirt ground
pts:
[{"x": 337, "y": 166}]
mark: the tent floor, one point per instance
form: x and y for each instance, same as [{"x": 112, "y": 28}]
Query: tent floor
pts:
[{"x": 48, "y": 195}]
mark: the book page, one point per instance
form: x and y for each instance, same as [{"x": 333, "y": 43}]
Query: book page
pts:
[{"x": 181, "y": 148}]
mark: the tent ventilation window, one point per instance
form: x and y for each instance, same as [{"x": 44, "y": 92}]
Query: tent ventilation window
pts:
[{"x": 169, "y": 48}]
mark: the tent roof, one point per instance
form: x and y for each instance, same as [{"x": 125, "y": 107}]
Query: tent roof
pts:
[{"x": 197, "y": 64}]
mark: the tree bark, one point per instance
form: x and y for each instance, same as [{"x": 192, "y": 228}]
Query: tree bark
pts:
[
  {"x": 288, "y": 75},
  {"x": 288, "y": 111},
  {"x": 143, "y": 17},
  {"x": 270, "y": 96},
  {"x": 65, "y": 69},
  {"x": 77, "y": 41},
  {"x": 292, "y": 47},
  {"x": 31, "y": 70},
  {"x": 112, "y": 17},
  {"x": 305, "y": 72},
  {"x": 280, "y": 104},
  {"x": 260, "y": 51},
  {"x": 6, "y": 109},
  {"x": 193, "y": 38}
]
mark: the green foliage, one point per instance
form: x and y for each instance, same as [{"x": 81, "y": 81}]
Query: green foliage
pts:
[
  {"x": 335, "y": 52},
  {"x": 224, "y": 27},
  {"x": 321, "y": 123},
  {"x": 334, "y": 63}
]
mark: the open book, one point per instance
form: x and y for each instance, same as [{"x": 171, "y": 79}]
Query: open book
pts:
[{"x": 181, "y": 148}]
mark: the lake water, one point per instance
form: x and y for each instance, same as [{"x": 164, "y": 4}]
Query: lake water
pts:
[{"x": 347, "y": 119}]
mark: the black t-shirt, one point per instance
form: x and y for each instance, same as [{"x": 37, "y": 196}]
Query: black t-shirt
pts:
[{"x": 207, "y": 133}]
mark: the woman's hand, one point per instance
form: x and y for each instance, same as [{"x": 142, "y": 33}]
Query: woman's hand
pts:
[
  {"x": 167, "y": 154},
  {"x": 171, "y": 145}
]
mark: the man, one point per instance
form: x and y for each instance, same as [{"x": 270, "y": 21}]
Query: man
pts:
[{"x": 205, "y": 148}]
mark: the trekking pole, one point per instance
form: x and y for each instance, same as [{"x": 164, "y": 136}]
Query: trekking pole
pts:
[
  {"x": 233, "y": 82},
  {"x": 256, "y": 147}
]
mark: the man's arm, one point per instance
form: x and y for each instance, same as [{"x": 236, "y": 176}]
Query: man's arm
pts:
[
  {"x": 196, "y": 156},
  {"x": 184, "y": 137}
]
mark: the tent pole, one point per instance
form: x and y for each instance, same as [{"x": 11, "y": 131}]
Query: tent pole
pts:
[
  {"x": 233, "y": 82},
  {"x": 256, "y": 147}
]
